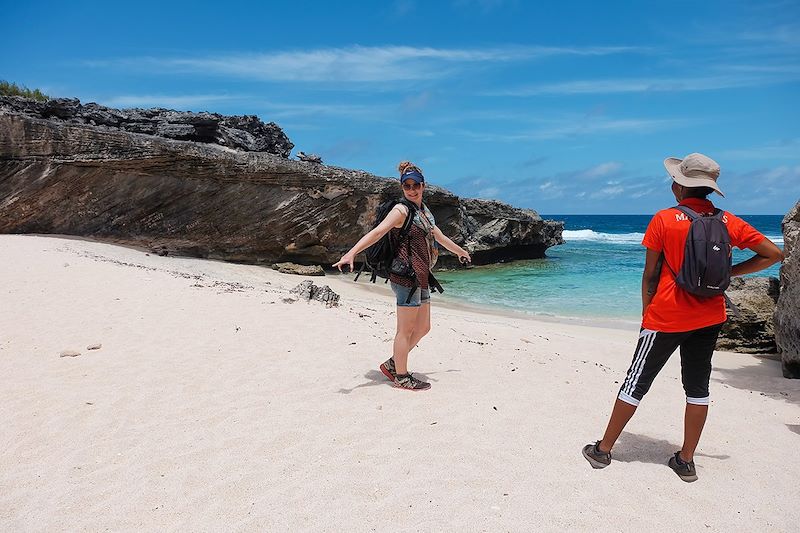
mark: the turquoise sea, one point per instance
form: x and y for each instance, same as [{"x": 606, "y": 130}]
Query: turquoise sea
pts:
[{"x": 596, "y": 274}]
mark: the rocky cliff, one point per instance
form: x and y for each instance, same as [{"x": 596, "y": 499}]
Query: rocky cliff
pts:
[
  {"x": 787, "y": 313},
  {"x": 211, "y": 186}
]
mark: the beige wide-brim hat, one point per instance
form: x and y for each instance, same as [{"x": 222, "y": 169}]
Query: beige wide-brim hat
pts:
[{"x": 694, "y": 170}]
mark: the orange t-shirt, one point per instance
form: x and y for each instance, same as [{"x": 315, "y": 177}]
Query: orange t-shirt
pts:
[{"x": 672, "y": 309}]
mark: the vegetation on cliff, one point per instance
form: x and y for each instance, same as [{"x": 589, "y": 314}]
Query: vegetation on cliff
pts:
[{"x": 12, "y": 89}]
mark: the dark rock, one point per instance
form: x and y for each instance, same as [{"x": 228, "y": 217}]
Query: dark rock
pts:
[
  {"x": 300, "y": 270},
  {"x": 205, "y": 200},
  {"x": 102, "y": 116},
  {"x": 246, "y": 133},
  {"x": 308, "y": 291},
  {"x": 754, "y": 330},
  {"x": 787, "y": 313},
  {"x": 309, "y": 158},
  {"x": 63, "y": 108}
]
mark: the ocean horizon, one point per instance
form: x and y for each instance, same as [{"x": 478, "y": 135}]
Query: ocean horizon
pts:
[{"x": 595, "y": 274}]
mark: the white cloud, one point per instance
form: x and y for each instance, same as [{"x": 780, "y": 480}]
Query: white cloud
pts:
[
  {"x": 483, "y": 5},
  {"x": 489, "y": 193},
  {"x": 577, "y": 126},
  {"x": 778, "y": 175},
  {"x": 355, "y": 63},
  {"x": 601, "y": 170},
  {"x": 786, "y": 149},
  {"x": 282, "y": 109},
  {"x": 182, "y": 102},
  {"x": 642, "y": 85}
]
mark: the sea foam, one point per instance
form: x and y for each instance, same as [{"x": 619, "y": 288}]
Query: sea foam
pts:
[
  {"x": 613, "y": 238},
  {"x": 625, "y": 238}
]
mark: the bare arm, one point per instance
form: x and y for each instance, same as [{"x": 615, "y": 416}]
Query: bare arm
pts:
[
  {"x": 650, "y": 277},
  {"x": 445, "y": 241},
  {"x": 394, "y": 219},
  {"x": 767, "y": 254}
]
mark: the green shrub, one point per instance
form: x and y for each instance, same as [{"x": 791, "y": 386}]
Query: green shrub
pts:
[{"x": 12, "y": 89}]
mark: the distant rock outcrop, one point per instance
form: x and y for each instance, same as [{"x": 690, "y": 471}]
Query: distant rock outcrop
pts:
[
  {"x": 133, "y": 177},
  {"x": 309, "y": 158},
  {"x": 787, "y": 313},
  {"x": 238, "y": 132},
  {"x": 754, "y": 330}
]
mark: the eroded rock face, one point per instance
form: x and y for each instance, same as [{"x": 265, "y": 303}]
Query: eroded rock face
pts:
[
  {"x": 66, "y": 176},
  {"x": 787, "y": 313},
  {"x": 754, "y": 330},
  {"x": 246, "y": 132}
]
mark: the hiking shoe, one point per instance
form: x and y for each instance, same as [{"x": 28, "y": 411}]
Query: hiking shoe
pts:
[
  {"x": 595, "y": 457},
  {"x": 409, "y": 382},
  {"x": 388, "y": 369},
  {"x": 684, "y": 470}
]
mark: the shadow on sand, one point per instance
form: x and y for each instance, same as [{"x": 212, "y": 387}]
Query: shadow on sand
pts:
[
  {"x": 765, "y": 379},
  {"x": 633, "y": 448}
]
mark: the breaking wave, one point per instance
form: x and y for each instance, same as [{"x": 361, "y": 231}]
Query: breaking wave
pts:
[{"x": 591, "y": 235}]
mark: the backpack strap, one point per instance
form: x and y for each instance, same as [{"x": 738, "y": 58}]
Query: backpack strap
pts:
[
  {"x": 691, "y": 213},
  {"x": 434, "y": 284},
  {"x": 694, "y": 215},
  {"x": 360, "y": 270},
  {"x": 412, "y": 211},
  {"x": 412, "y": 291}
]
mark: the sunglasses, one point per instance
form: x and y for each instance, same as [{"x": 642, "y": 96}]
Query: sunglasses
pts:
[{"x": 409, "y": 186}]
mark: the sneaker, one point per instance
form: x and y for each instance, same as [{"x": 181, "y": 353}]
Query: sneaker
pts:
[
  {"x": 409, "y": 382},
  {"x": 595, "y": 457},
  {"x": 388, "y": 369},
  {"x": 685, "y": 471}
]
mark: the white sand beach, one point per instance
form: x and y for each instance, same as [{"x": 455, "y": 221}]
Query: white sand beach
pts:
[{"x": 213, "y": 405}]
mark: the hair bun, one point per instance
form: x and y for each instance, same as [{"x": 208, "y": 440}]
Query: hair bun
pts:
[{"x": 407, "y": 166}]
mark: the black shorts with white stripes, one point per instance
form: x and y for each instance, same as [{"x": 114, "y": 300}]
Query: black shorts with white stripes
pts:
[{"x": 652, "y": 352}]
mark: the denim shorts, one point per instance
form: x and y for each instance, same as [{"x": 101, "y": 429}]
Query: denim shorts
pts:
[{"x": 420, "y": 296}]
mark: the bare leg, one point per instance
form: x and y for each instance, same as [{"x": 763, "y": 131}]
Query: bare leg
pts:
[
  {"x": 406, "y": 319},
  {"x": 693, "y": 422},
  {"x": 623, "y": 411},
  {"x": 421, "y": 327}
]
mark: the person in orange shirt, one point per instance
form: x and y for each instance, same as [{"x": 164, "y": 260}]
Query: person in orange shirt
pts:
[{"x": 673, "y": 317}]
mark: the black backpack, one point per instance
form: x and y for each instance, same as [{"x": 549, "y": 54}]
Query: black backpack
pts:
[
  {"x": 379, "y": 256},
  {"x": 706, "y": 268}
]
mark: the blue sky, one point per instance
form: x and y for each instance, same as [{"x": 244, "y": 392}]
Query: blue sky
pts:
[{"x": 563, "y": 107}]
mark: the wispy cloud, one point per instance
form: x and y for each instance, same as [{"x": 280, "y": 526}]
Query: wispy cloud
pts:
[
  {"x": 283, "y": 110},
  {"x": 489, "y": 193},
  {"x": 601, "y": 170},
  {"x": 577, "y": 127},
  {"x": 748, "y": 78},
  {"x": 402, "y": 8},
  {"x": 353, "y": 64},
  {"x": 785, "y": 149},
  {"x": 484, "y": 6},
  {"x": 182, "y": 102},
  {"x": 783, "y": 35}
]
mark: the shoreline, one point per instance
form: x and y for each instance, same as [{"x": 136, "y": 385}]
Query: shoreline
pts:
[{"x": 447, "y": 302}]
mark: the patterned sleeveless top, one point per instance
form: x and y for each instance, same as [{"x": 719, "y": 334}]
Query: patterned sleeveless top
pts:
[{"x": 423, "y": 249}]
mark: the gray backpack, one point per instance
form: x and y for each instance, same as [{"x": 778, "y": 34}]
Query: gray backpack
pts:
[{"x": 706, "y": 268}]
